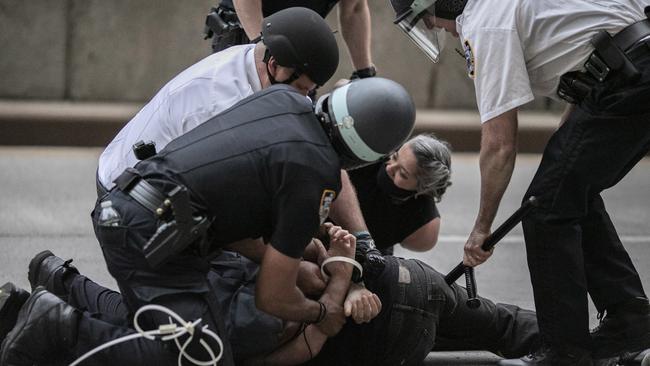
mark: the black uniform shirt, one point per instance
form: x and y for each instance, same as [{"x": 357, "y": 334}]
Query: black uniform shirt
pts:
[
  {"x": 322, "y": 7},
  {"x": 262, "y": 168},
  {"x": 389, "y": 221}
]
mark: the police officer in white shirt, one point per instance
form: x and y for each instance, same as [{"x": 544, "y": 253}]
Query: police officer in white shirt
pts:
[
  {"x": 595, "y": 55},
  {"x": 220, "y": 80}
]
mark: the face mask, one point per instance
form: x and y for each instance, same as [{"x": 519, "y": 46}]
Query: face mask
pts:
[{"x": 386, "y": 184}]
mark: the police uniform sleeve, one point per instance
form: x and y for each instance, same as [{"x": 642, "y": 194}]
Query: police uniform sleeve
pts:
[
  {"x": 495, "y": 60},
  {"x": 301, "y": 203}
]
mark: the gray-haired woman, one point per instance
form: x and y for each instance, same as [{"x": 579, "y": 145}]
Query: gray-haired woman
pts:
[{"x": 398, "y": 196}]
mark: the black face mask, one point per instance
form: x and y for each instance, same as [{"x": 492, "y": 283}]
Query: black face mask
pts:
[{"x": 386, "y": 184}]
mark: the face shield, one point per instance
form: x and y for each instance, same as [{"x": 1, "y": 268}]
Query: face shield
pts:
[{"x": 416, "y": 21}]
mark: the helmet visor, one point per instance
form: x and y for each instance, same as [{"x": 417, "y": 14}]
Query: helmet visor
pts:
[{"x": 417, "y": 22}]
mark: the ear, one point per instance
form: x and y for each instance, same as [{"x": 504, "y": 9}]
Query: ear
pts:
[{"x": 272, "y": 66}]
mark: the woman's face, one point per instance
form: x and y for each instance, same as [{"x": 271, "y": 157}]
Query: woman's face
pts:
[{"x": 401, "y": 168}]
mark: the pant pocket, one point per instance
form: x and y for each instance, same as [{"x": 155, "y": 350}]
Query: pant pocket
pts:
[{"x": 411, "y": 332}]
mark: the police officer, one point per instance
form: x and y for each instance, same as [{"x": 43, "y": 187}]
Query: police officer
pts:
[
  {"x": 235, "y": 22},
  {"x": 594, "y": 55},
  {"x": 270, "y": 167},
  {"x": 297, "y": 47}
]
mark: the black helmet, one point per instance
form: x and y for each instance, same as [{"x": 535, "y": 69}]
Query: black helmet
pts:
[
  {"x": 366, "y": 119},
  {"x": 300, "y": 38}
]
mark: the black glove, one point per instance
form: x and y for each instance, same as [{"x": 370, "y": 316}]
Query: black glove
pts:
[
  {"x": 364, "y": 73},
  {"x": 371, "y": 259}
]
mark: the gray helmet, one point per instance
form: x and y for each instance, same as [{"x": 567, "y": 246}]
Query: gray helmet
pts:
[
  {"x": 366, "y": 119},
  {"x": 409, "y": 15},
  {"x": 300, "y": 38}
]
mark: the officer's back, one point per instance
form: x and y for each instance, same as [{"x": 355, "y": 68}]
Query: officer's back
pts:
[{"x": 245, "y": 164}]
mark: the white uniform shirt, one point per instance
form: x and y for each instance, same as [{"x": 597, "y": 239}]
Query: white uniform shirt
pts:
[
  {"x": 518, "y": 49},
  {"x": 195, "y": 95}
]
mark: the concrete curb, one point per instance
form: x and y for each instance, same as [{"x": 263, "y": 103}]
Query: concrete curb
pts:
[{"x": 57, "y": 123}]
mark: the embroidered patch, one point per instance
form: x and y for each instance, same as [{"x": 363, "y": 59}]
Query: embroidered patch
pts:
[
  {"x": 325, "y": 203},
  {"x": 404, "y": 275},
  {"x": 469, "y": 59}
]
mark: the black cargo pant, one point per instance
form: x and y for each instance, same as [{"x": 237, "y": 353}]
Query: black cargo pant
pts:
[
  {"x": 180, "y": 285},
  {"x": 573, "y": 248},
  {"x": 420, "y": 311}
]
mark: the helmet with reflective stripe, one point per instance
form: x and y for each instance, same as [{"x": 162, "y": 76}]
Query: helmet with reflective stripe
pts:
[
  {"x": 367, "y": 119},
  {"x": 300, "y": 38}
]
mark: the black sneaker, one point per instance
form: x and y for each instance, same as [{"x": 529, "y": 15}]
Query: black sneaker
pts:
[
  {"x": 46, "y": 327},
  {"x": 12, "y": 299},
  {"x": 547, "y": 356},
  {"x": 50, "y": 271},
  {"x": 625, "y": 330}
]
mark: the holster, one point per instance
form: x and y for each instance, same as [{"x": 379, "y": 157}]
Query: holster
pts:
[
  {"x": 179, "y": 225},
  {"x": 173, "y": 236},
  {"x": 610, "y": 61},
  {"x": 220, "y": 20}
]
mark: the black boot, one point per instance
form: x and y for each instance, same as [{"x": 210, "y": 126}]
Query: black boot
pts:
[
  {"x": 45, "y": 329},
  {"x": 547, "y": 356},
  {"x": 12, "y": 299},
  {"x": 50, "y": 271},
  {"x": 625, "y": 329}
]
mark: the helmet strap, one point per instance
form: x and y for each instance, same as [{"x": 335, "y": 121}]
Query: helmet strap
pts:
[{"x": 293, "y": 77}]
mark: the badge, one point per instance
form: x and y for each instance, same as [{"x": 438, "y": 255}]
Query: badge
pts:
[
  {"x": 325, "y": 203},
  {"x": 469, "y": 59}
]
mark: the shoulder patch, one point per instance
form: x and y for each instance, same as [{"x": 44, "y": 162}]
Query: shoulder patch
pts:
[
  {"x": 469, "y": 59},
  {"x": 325, "y": 203}
]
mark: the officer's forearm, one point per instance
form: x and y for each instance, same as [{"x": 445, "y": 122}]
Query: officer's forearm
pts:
[
  {"x": 249, "y": 13},
  {"x": 288, "y": 304},
  {"x": 497, "y": 160},
  {"x": 354, "y": 19}
]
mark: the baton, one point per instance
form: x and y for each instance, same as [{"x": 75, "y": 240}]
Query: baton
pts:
[{"x": 494, "y": 238}]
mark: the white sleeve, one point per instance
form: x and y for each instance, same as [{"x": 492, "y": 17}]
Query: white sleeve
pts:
[{"x": 499, "y": 70}]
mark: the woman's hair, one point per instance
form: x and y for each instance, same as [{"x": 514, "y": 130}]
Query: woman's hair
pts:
[{"x": 433, "y": 158}]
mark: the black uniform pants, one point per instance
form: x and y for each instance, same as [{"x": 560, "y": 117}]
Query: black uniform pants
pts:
[
  {"x": 419, "y": 311},
  {"x": 180, "y": 285},
  {"x": 572, "y": 246}
]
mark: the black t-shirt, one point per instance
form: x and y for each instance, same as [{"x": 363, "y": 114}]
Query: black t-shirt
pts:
[
  {"x": 322, "y": 7},
  {"x": 262, "y": 168},
  {"x": 389, "y": 221}
]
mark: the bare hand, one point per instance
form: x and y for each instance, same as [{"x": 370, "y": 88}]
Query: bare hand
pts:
[
  {"x": 309, "y": 279},
  {"x": 474, "y": 255},
  {"x": 342, "y": 243},
  {"x": 334, "y": 318},
  {"x": 361, "y": 304}
]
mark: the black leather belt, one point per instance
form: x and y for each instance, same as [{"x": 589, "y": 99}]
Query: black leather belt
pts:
[
  {"x": 142, "y": 191},
  {"x": 632, "y": 34}
]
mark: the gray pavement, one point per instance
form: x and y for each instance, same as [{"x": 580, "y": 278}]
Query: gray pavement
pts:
[{"x": 46, "y": 195}]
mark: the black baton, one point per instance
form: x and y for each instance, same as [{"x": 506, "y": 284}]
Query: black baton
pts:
[{"x": 494, "y": 238}]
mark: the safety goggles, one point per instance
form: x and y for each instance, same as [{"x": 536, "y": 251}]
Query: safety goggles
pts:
[{"x": 417, "y": 22}]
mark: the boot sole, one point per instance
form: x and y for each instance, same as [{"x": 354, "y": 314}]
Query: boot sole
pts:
[
  {"x": 12, "y": 299},
  {"x": 19, "y": 327},
  {"x": 34, "y": 268}
]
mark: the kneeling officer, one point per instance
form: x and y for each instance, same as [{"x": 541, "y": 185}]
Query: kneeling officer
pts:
[{"x": 267, "y": 167}]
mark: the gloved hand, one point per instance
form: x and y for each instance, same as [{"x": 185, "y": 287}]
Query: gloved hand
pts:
[
  {"x": 368, "y": 255},
  {"x": 364, "y": 73}
]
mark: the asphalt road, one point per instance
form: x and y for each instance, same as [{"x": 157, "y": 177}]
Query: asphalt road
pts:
[{"x": 46, "y": 195}]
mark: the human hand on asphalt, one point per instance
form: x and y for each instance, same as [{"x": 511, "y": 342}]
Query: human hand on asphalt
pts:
[{"x": 474, "y": 255}]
